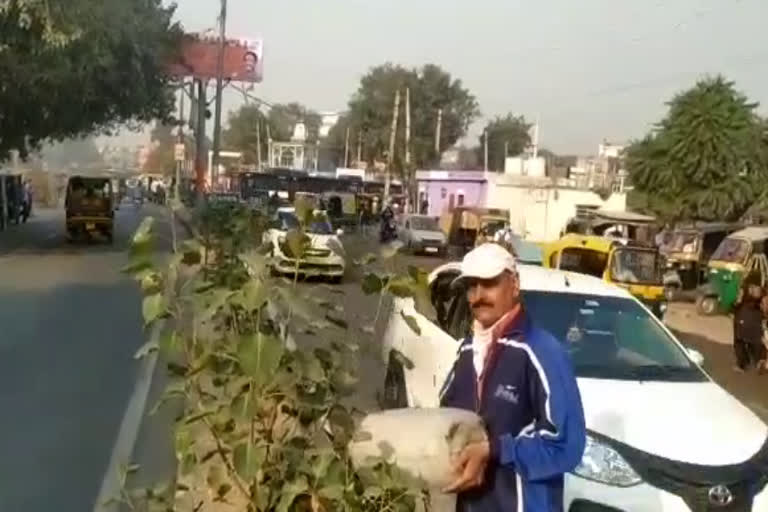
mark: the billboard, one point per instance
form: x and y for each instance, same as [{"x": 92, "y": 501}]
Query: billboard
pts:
[{"x": 198, "y": 58}]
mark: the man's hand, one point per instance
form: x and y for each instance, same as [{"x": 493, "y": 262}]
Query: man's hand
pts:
[{"x": 470, "y": 467}]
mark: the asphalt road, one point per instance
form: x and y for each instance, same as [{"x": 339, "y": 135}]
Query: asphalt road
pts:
[{"x": 70, "y": 323}]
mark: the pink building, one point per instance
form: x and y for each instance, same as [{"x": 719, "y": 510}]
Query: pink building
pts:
[{"x": 440, "y": 191}]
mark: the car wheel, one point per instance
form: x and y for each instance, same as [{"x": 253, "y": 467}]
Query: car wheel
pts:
[
  {"x": 707, "y": 305},
  {"x": 671, "y": 293},
  {"x": 394, "y": 393}
]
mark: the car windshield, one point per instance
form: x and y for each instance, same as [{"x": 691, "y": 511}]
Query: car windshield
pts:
[
  {"x": 318, "y": 226},
  {"x": 611, "y": 337},
  {"x": 424, "y": 224},
  {"x": 584, "y": 261},
  {"x": 732, "y": 250},
  {"x": 635, "y": 266}
]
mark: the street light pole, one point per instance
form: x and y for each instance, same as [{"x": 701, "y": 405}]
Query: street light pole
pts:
[{"x": 219, "y": 91}]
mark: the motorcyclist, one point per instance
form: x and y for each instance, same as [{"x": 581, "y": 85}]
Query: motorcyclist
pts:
[{"x": 387, "y": 224}]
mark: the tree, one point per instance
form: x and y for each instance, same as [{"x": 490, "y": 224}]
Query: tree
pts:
[
  {"x": 240, "y": 134},
  {"x": 283, "y": 118},
  {"x": 509, "y": 131},
  {"x": 82, "y": 66},
  {"x": 706, "y": 159}
]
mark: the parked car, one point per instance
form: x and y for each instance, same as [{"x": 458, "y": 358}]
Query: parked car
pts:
[
  {"x": 321, "y": 258},
  {"x": 421, "y": 234},
  {"x": 662, "y": 436}
]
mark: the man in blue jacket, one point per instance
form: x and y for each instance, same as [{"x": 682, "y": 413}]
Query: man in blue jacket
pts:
[{"x": 519, "y": 379}]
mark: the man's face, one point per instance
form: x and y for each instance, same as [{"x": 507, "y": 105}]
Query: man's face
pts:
[{"x": 490, "y": 299}]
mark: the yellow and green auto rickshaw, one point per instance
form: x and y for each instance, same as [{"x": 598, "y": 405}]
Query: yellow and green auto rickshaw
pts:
[
  {"x": 467, "y": 227},
  {"x": 738, "y": 254},
  {"x": 628, "y": 265},
  {"x": 688, "y": 252}
]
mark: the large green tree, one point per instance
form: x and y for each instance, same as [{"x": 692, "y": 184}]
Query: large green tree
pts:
[
  {"x": 432, "y": 89},
  {"x": 510, "y": 132},
  {"x": 73, "y": 67},
  {"x": 706, "y": 159}
]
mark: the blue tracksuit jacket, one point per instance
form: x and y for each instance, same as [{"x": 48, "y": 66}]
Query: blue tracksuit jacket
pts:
[{"x": 532, "y": 409}]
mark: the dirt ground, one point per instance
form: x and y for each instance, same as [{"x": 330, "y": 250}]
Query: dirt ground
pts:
[{"x": 712, "y": 336}]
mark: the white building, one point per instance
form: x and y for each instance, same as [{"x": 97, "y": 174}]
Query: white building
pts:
[{"x": 540, "y": 208}]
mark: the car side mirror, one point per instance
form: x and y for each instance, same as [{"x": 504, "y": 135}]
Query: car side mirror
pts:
[
  {"x": 339, "y": 232},
  {"x": 695, "y": 356}
]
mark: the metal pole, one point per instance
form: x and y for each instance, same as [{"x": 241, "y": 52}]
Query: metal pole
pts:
[
  {"x": 485, "y": 150},
  {"x": 200, "y": 149},
  {"x": 438, "y": 129},
  {"x": 391, "y": 155},
  {"x": 359, "y": 147},
  {"x": 258, "y": 144},
  {"x": 219, "y": 90},
  {"x": 409, "y": 182},
  {"x": 346, "y": 149}
]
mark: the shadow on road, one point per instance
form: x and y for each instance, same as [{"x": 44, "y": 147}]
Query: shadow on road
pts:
[{"x": 749, "y": 388}]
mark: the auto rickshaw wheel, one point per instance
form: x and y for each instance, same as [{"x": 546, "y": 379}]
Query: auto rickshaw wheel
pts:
[{"x": 707, "y": 305}]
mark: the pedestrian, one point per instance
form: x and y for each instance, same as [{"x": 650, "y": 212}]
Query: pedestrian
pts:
[
  {"x": 519, "y": 379},
  {"x": 748, "y": 345}
]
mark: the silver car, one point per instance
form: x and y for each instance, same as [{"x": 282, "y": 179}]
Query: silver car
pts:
[{"x": 421, "y": 234}]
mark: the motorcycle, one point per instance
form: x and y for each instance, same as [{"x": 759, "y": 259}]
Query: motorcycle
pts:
[{"x": 388, "y": 231}]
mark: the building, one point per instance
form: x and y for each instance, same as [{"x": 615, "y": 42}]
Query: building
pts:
[
  {"x": 540, "y": 207},
  {"x": 441, "y": 191}
]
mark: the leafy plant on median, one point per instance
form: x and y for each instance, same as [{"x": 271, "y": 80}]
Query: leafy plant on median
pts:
[{"x": 264, "y": 426}]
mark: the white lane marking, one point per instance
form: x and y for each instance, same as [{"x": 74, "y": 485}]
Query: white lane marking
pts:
[{"x": 129, "y": 431}]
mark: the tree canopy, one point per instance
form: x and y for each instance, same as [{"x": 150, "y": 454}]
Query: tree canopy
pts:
[
  {"x": 82, "y": 66},
  {"x": 431, "y": 89},
  {"x": 241, "y": 134},
  {"x": 706, "y": 160},
  {"x": 510, "y": 131}
]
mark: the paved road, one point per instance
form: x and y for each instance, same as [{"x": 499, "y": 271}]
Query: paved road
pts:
[{"x": 69, "y": 326}]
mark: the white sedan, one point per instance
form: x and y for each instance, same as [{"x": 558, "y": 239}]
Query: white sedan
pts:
[
  {"x": 662, "y": 436},
  {"x": 323, "y": 257}
]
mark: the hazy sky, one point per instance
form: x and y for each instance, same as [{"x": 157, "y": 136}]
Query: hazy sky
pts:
[{"x": 590, "y": 69}]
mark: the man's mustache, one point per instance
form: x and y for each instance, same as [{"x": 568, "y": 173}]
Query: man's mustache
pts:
[{"x": 481, "y": 304}]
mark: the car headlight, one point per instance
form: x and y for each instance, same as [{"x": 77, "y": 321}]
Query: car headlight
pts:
[{"x": 603, "y": 464}]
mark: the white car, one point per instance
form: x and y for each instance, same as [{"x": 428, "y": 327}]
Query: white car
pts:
[
  {"x": 662, "y": 436},
  {"x": 324, "y": 257}
]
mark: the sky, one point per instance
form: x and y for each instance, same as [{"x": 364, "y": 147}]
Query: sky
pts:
[{"x": 589, "y": 70}]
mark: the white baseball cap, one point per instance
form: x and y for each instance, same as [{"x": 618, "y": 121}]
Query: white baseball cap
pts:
[{"x": 486, "y": 262}]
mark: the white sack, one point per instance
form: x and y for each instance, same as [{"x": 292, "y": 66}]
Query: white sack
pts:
[{"x": 422, "y": 442}]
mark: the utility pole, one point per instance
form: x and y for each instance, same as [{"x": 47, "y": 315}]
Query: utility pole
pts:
[
  {"x": 346, "y": 149},
  {"x": 438, "y": 128},
  {"x": 536, "y": 138},
  {"x": 391, "y": 155},
  {"x": 359, "y": 147},
  {"x": 485, "y": 150},
  {"x": 219, "y": 91},
  {"x": 200, "y": 149},
  {"x": 258, "y": 144},
  {"x": 410, "y": 182}
]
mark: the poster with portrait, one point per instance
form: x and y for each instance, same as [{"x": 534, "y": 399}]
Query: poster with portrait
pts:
[{"x": 198, "y": 58}]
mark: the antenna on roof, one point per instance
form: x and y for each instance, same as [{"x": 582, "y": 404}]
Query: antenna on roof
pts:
[{"x": 567, "y": 282}]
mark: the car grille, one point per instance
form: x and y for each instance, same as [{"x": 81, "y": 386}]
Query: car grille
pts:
[
  {"x": 317, "y": 253},
  {"x": 703, "y": 488}
]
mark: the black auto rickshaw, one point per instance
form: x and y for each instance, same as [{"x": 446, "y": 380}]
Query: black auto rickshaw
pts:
[
  {"x": 89, "y": 207},
  {"x": 688, "y": 252}
]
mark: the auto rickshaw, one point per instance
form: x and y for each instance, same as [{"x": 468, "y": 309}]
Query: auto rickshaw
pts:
[
  {"x": 623, "y": 263},
  {"x": 89, "y": 207},
  {"x": 688, "y": 252},
  {"x": 468, "y": 227},
  {"x": 738, "y": 254}
]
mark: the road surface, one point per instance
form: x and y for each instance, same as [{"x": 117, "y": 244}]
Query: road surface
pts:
[{"x": 70, "y": 323}]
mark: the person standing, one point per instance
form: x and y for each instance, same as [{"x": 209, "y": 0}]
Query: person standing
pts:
[
  {"x": 748, "y": 345},
  {"x": 519, "y": 379}
]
